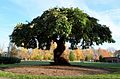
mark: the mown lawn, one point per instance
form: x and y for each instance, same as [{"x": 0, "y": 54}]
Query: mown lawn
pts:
[{"x": 115, "y": 67}]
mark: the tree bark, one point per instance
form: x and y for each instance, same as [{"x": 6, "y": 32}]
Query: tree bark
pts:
[{"x": 58, "y": 59}]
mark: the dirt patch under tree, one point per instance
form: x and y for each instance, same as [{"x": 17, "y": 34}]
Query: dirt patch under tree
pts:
[{"x": 56, "y": 70}]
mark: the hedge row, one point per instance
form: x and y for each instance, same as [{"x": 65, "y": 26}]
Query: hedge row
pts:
[{"x": 9, "y": 60}]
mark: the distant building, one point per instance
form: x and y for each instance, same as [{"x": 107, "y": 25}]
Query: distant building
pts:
[
  {"x": 115, "y": 59},
  {"x": 112, "y": 59}
]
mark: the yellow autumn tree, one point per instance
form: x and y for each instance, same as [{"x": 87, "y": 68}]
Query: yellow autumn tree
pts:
[
  {"x": 48, "y": 55},
  {"x": 79, "y": 54},
  {"x": 23, "y": 53},
  {"x": 65, "y": 54},
  {"x": 36, "y": 54}
]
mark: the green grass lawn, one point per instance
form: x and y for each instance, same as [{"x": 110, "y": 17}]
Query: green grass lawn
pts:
[{"x": 115, "y": 67}]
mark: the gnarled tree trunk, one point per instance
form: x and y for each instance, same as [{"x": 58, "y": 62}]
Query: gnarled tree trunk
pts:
[{"x": 58, "y": 59}]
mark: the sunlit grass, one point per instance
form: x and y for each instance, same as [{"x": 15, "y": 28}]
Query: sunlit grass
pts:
[{"x": 16, "y": 76}]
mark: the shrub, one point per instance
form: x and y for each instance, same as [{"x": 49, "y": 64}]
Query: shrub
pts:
[
  {"x": 71, "y": 56},
  {"x": 89, "y": 57},
  {"x": 86, "y": 58},
  {"x": 101, "y": 58},
  {"x": 9, "y": 60},
  {"x": 38, "y": 57}
]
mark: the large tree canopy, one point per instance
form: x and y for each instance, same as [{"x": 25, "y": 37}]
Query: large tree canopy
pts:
[
  {"x": 67, "y": 24},
  {"x": 61, "y": 25}
]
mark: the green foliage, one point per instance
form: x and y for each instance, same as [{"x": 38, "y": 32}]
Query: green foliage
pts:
[
  {"x": 89, "y": 57},
  {"x": 71, "y": 56},
  {"x": 101, "y": 58},
  {"x": 86, "y": 58},
  {"x": 70, "y": 24},
  {"x": 38, "y": 57},
  {"x": 9, "y": 60}
]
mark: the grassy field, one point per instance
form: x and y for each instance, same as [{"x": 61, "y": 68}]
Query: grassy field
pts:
[{"x": 115, "y": 67}]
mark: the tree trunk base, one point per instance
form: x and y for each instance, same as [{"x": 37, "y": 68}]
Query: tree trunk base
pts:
[
  {"x": 62, "y": 61},
  {"x": 65, "y": 64}
]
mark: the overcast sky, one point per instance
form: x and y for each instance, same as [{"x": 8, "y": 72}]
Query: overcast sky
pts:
[{"x": 16, "y": 11}]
